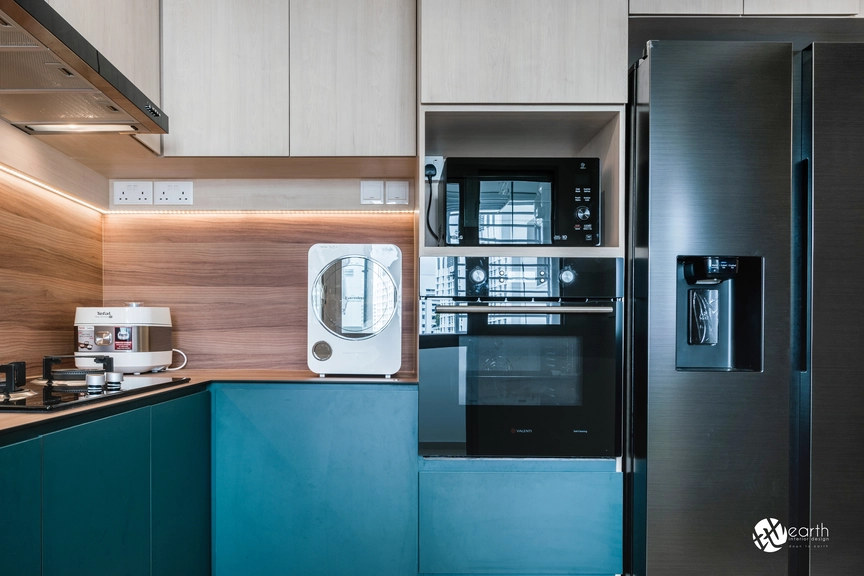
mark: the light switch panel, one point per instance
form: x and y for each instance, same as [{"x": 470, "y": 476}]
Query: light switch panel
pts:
[
  {"x": 396, "y": 192},
  {"x": 371, "y": 192}
]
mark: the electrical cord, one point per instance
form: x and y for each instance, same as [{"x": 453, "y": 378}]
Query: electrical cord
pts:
[
  {"x": 430, "y": 171},
  {"x": 184, "y": 360}
]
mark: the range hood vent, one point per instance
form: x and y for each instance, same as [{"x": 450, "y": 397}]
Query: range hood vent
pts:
[{"x": 53, "y": 81}]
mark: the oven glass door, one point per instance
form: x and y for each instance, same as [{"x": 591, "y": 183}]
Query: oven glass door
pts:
[{"x": 511, "y": 384}]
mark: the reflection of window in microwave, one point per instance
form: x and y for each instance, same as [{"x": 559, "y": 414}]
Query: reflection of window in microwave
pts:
[
  {"x": 452, "y": 212},
  {"x": 515, "y": 212}
]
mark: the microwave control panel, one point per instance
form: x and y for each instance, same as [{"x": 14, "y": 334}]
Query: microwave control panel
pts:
[{"x": 577, "y": 214}]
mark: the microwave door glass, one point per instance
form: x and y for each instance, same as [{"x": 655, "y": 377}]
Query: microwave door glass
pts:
[{"x": 515, "y": 212}]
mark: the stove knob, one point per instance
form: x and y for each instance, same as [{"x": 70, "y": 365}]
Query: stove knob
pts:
[
  {"x": 583, "y": 213},
  {"x": 567, "y": 276}
]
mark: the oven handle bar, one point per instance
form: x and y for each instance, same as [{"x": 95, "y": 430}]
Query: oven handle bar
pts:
[{"x": 524, "y": 309}]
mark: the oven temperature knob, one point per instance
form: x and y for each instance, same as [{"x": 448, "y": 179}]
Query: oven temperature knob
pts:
[
  {"x": 583, "y": 213},
  {"x": 567, "y": 276},
  {"x": 478, "y": 275}
]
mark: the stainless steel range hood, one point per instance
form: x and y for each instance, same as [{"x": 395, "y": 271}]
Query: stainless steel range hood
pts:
[{"x": 53, "y": 81}]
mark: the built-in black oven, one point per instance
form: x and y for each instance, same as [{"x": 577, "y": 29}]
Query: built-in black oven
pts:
[
  {"x": 520, "y": 201},
  {"x": 521, "y": 356}
]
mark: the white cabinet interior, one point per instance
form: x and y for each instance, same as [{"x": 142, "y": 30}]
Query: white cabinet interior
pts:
[
  {"x": 523, "y": 51},
  {"x": 701, "y": 7},
  {"x": 801, "y": 7},
  {"x": 525, "y": 131}
]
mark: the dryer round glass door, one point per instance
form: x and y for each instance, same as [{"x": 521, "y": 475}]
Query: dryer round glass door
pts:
[{"x": 354, "y": 297}]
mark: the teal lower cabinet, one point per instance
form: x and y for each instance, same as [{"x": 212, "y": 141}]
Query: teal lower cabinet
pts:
[
  {"x": 96, "y": 497},
  {"x": 21, "y": 509},
  {"x": 180, "y": 486},
  {"x": 314, "y": 479},
  {"x": 503, "y": 516}
]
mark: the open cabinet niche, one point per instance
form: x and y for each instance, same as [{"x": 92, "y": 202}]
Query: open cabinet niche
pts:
[{"x": 524, "y": 132}]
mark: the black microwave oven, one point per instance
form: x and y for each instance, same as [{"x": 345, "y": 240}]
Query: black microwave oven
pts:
[{"x": 520, "y": 202}]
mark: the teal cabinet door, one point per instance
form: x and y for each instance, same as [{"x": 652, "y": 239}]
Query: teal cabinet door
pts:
[
  {"x": 501, "y": 516},
  {"x": 96, "y": 497},
  {"x": 314, "y": 479},
  {"x": 21, "y": 510},
  {"x": 180, "y": 476}
]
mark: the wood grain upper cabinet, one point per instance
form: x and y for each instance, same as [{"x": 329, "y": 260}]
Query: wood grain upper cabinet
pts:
[
  {"x": 226, "y": 77},
  {"x": 523, "y": 51},
  {"x": 126, "y": 32},
  {"x": 706, "y": 7},
  {"x": 802, "y": 7},
  {"x": 353, "y": 77}
]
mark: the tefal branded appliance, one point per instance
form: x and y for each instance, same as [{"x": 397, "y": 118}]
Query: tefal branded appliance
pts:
[
  {"x": 355, "y": 309},
  {"x": 138, "y": 338}
]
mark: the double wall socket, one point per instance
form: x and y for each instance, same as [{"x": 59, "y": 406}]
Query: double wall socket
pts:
[
  {"x": 127, "y": 193},
  {"x": 172, "y": 193}
]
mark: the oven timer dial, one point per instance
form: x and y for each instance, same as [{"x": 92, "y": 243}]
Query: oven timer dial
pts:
[
  {"x": 478, "y": 275},
  {"x": 567, "y": 276}
]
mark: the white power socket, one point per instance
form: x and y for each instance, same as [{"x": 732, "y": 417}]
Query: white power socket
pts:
[
  {"x": 127, "y": 193},
  {"x": 173, "y": 193},
  {"x": 438, "y": 162}
]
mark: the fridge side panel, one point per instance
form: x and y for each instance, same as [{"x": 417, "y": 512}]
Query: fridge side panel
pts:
[{"x": 837, "y": 505}]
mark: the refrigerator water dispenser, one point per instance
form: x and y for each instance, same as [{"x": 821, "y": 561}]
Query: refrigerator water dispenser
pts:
[{"x": 719, "y": 313}]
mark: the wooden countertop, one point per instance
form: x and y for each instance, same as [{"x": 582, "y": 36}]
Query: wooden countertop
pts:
[
  {"x": 19, "y": 420},
  {"x": 250, "y": 375}
]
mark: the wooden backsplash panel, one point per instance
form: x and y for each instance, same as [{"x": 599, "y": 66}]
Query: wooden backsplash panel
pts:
[
  {"x": 236, "y": 283},
  {"x": 50, "y": 263}
]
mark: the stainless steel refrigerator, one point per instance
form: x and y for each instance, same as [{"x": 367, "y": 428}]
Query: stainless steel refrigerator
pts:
[
  {"x": 710, "y": 306},
  {"x": 746, "y": 257},
  {"x": 833, "y": 374}
]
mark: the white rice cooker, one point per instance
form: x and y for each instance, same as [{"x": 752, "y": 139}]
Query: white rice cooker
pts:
[{"x": 138, "y": 338}]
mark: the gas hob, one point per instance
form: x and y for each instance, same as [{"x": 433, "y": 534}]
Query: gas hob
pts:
[{"x": 50, "y": 393}]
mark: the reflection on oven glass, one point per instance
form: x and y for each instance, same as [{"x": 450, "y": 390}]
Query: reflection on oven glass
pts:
[{"x": 517, "y": 371}]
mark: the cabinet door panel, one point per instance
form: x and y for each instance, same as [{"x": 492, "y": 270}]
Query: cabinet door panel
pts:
[
  {"x": 759, "y": 7},
  {"x": 127, "y": 34},
  {"x": 21, "y": 512},
  {"x": 686, "y": 6},
  {"x": 521, "y": 522},
  {"x": 353, "y": 78},
  {"x": 523, "y": 51},
  {"x": 226, "y": 77},
  {"x": 96, "y": 497},
  {"x": 316, "y": 479},
  {"x": 180, "y": 479}
]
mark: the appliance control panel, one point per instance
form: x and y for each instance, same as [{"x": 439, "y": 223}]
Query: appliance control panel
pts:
[{"x": 577, "y": 215}]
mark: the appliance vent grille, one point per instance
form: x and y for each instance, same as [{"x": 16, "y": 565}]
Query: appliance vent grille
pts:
[
  {"x": 37, "y": 70},
  {"x": 69, "y": 108}
]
